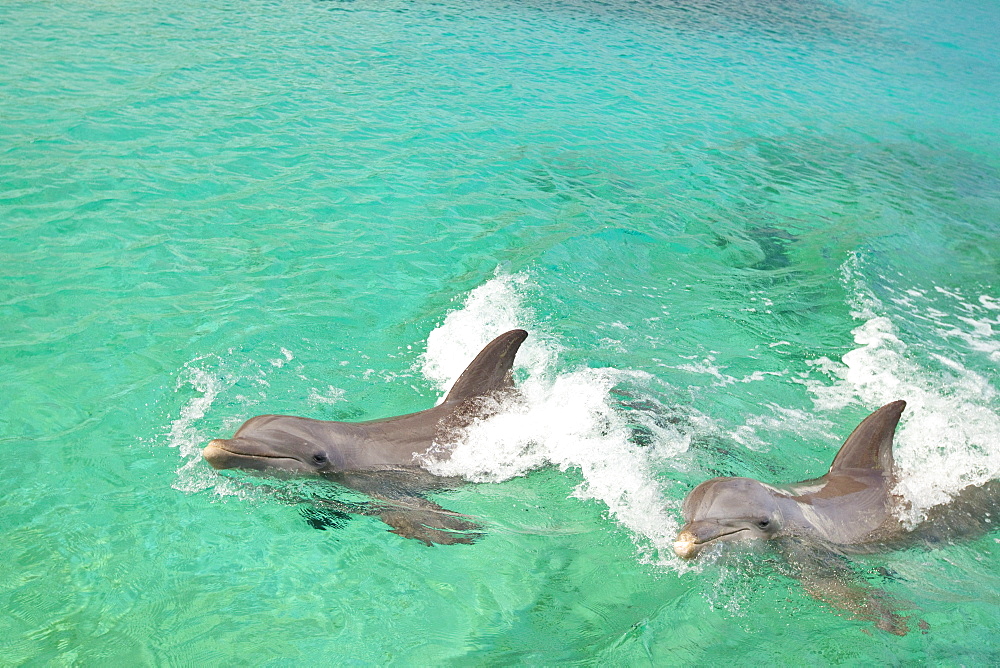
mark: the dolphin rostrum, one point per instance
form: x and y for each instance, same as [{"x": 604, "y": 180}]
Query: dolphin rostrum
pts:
[
  {"x": 381, "y": 457},
  {"x": 851, "y": 509}
]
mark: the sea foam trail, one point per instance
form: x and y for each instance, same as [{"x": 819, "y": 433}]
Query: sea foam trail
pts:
[
  {"x": 565, "y": 418},
  {"x": 949, "y": 437}
]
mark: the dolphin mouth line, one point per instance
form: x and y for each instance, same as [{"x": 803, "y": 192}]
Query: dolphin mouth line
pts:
[
  {"x": 714, "y": 538},
  {"x": 246, "y": 454},
  {"x": 243, "y": 454},
  {"x": 721, "y": 535}
]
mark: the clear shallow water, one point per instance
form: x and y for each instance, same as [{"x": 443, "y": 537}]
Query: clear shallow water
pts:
[{"x": 732, "y": 229}]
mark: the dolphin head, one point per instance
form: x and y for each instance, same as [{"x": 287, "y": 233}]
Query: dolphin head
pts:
[
  {"x": 271, "y": 442},
  {"x": 851, "y": 504},
  {"x": 247, "y": 453},
  {"x": 725, "y": 509}
]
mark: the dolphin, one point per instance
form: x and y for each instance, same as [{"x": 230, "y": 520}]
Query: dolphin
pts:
[
  {"x": 381, "y": 458},
  {"x": 851, "y": 509},
  {"x": 852, "y": 504}
]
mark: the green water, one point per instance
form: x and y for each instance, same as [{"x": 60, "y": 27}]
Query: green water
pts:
[{"x": 731, "y": 228}]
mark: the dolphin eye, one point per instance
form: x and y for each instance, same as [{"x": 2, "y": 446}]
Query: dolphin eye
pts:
[
  {"x": 763, "y": 524},
  {"x": 319, "y": 458}
]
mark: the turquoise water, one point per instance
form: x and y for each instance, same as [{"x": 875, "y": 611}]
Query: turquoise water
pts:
[{"x": 731, "y": 228}]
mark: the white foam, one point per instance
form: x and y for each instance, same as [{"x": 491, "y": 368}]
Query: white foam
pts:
[
  {"x": 208, "y": 376},
  {"x": 990, "y": 303},
  {"x": 949, "y": 436},
  {"x": 800, "y": 423},
  {"x": 184, "y": 435},
  {"x": 286, "y": 357},
  {"x": 566, "y": 419},
  {"x": 709, "y": 367},
  {"x": 490, "y": 310},
  {"x": 329, "y": 396}
]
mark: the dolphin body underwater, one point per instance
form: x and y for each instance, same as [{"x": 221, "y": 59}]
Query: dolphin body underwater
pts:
[
  {"x": 851, "y": 509},
  {"x": 379, "y": 457}
]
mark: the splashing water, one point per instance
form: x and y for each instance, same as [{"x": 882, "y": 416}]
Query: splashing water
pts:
[
  {"x": 490, "y": 310},
  {"x": 564, "y": 419},
  {"x": 213, "y": 377},
  {"x": 949, "y": 431},
  {"x": 184, "y": 434}
]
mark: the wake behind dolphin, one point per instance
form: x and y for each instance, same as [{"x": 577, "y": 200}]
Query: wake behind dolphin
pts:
[
  {"x": 850, "y": 509},
  {"x": 381, "y": 457}
]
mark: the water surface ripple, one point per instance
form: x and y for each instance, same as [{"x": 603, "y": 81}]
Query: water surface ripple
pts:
[{"x": 733, "y": 228}]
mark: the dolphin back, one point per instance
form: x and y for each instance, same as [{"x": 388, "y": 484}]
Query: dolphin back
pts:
[{"x": 490, "y": 372}]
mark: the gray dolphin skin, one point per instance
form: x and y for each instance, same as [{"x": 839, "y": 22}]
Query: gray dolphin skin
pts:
[
  {"x": 380, "y": 457},
  {"x": 851, "y": 505},
  {"x": 851, "y": 509}
]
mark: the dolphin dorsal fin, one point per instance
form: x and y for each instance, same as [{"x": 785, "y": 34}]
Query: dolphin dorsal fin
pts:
[
  {"x": 870, "y": 445},
  {"x": 491, "y": 370}
]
